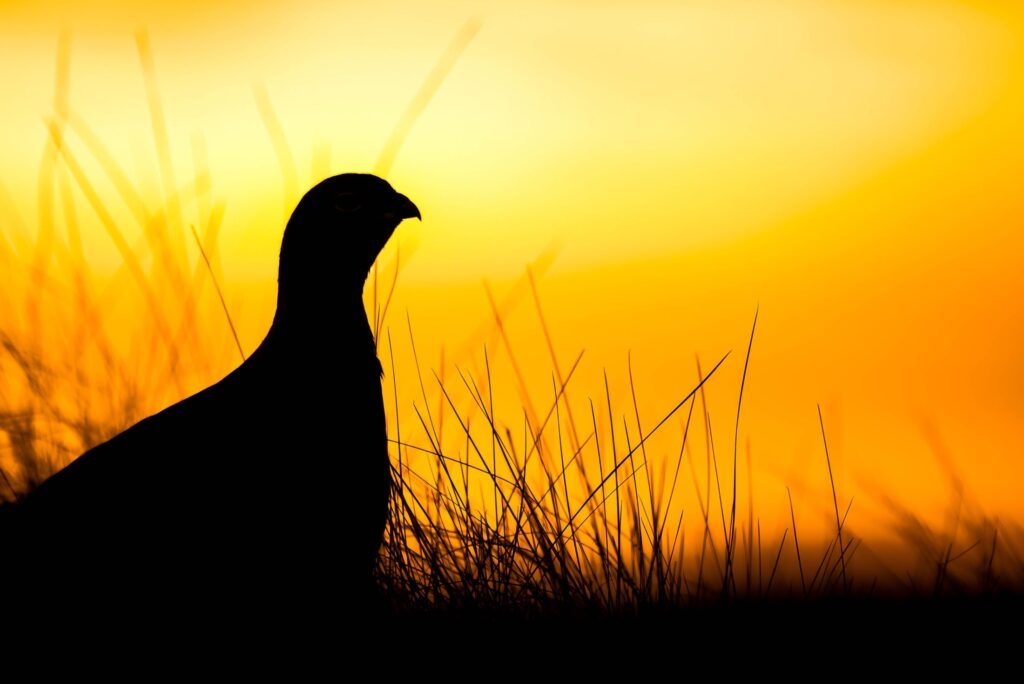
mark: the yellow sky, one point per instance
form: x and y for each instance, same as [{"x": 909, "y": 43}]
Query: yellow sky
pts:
[{"x": 850, "y": 167}]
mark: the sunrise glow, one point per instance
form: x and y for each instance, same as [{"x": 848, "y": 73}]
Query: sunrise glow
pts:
[{"x": 850, "y": 170}]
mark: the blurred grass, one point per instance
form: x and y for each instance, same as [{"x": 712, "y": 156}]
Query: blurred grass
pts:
[{"x": 566, "y": 508}]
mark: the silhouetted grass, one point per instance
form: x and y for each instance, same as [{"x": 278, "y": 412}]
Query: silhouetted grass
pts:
[
  {"x": 559, "y": 511},
  {"x": 525, "y": 546}
]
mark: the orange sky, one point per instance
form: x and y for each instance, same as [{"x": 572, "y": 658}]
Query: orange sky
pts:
[{"x": 851, "y": 168}]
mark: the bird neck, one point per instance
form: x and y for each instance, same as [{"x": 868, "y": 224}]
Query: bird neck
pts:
[{"x": 322, "y": 327}]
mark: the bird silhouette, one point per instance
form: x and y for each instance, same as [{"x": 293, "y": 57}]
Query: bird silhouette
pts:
[{"x": 269, "y": 488}]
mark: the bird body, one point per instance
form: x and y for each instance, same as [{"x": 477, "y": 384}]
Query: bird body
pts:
[{"x": 267, "y": 488}]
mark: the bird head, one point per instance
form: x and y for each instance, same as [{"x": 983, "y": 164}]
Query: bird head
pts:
[{"x": 337, "y": 230}]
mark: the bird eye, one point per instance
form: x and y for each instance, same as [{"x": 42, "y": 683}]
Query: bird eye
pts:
[{"x": 347, "y": 203}]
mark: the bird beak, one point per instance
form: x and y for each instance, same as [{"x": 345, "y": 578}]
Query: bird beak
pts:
[{"x": 403, "y": 208}]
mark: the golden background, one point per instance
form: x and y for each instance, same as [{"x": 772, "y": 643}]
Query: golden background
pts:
[{"x": 852, "y": 170}]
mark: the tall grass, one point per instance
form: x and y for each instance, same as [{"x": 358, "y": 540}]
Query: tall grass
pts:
[
  {"x": 565, "y": 516},
  {"x": 566, "y": 506}
]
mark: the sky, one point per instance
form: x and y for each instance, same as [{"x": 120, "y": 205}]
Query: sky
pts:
[{"x": 849, "y": 170}]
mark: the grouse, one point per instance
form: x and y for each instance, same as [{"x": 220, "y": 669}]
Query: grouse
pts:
[{"x": 269, "y": 488}]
